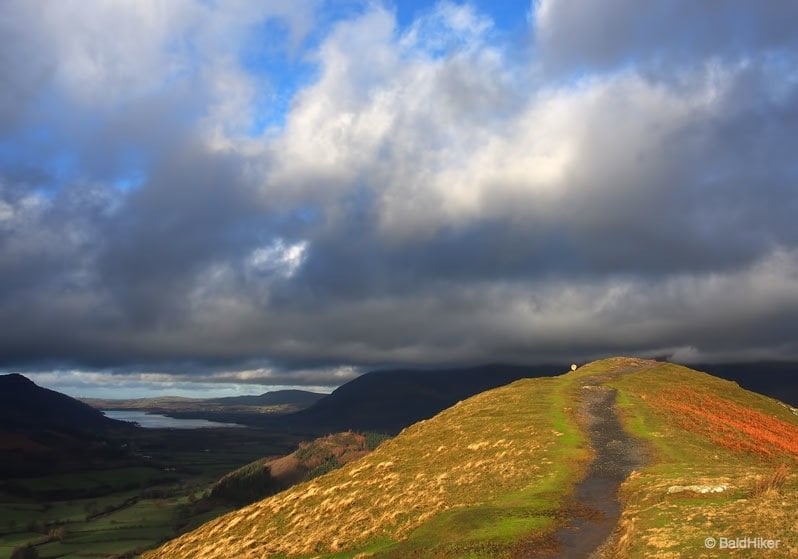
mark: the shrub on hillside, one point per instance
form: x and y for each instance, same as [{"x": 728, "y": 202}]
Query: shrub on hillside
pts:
[
  {"x": 373, "y": 440},
  {"x": 327, "y": 466},
  {"x": 772, "y": 482},
  {"x": 56, "y": 534}
]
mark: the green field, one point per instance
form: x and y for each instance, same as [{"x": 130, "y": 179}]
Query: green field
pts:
[{"x": 119, "y": 511}]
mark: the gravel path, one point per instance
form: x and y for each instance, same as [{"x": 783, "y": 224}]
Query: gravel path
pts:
[{"x": 597, "y": 509}]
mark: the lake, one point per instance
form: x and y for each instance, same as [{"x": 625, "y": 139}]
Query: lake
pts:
[{"x": 157, "y": 421}]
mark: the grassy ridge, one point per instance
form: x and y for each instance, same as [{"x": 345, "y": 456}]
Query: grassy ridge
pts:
[
  {"x": 491, "y": 477},
  {"x": 470, "y": 481}
]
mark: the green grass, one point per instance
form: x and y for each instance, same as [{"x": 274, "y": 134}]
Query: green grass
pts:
[
  {"x": 8, "y": 542},
  {"x": 491, "y": 520},
  {"x": 656, "y": 523},
  {"x": 510, "y": 528},
  {"x": 471, "y": 481},
  {"x": 140, "y": 525},
  {"x": 531, "y": 510}
]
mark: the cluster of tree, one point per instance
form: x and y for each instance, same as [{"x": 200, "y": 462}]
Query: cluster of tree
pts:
[
  {"x": 247, "y": 484},
  {"x": 312, "y": 459}
]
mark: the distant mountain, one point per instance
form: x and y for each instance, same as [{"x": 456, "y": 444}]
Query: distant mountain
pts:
[
  {"x": 297, "y": 398},
  {"x": 25, "y": 405},
  {"x": 275, "y": 402},
  {"x": 387, "y": 401},
  {"x": 775, "y": 379}
]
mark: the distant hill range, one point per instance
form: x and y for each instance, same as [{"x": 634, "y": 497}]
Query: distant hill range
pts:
[
  {"x": 25, "y": 405},
  {"x": 301, "y": 398},
  {"x": 277, "y": 401},
  {"x": 775, "y": 379},
  {"x": 389, "y": 400},
  {"x": 384, "y": 401}
]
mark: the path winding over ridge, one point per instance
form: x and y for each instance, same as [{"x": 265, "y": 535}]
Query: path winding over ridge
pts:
[{"x": 617, "y": 454}]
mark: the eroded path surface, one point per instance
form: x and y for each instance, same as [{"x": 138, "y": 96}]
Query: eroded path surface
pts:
[{"x": 597, "y": 506}]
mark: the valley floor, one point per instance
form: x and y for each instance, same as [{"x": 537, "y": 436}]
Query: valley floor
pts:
[{"x": 122, "y": 510}]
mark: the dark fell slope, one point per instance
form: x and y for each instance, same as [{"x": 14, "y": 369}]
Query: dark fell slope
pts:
[
  {"x": 388, "y": 401},
  {"x": 25, "y": 405}
]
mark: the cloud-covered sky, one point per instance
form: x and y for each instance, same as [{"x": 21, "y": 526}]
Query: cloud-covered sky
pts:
[{"x": 287, "y": 193}]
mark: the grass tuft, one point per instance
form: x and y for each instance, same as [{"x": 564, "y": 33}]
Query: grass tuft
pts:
[{"x": 772, "y": 482}]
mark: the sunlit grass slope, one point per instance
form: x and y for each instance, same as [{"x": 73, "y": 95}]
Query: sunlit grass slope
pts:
[
  {"x": 705, "y": 431},
  {"x": 474, "y": 480},
  {"x": 491, "y": 477}
]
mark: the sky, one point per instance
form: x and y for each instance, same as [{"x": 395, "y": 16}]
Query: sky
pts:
[{"x": 217, "y": 197}]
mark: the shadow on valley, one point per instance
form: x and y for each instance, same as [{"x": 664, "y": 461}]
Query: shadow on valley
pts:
[{"x": 74, "y": 481}]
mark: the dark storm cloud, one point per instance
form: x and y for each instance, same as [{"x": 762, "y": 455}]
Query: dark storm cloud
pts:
[
  {"x": 170, "y": 228},
  {"x": 577, "y": 34},
  {"x": 427, "y": 200}
]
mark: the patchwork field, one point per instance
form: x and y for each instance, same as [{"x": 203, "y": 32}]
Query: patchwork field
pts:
[{"x": 120, "y": 511}]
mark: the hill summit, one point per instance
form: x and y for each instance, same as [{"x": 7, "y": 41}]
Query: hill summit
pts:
[{"x": 510, "y": 473}]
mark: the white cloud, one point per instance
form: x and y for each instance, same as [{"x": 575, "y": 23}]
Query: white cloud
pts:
[
  {"x": 278, "y": 258},
  {"x": 109, "y": 51},
  {"x": 89, "y": 60},
  {"x": 445, "y": 28},
  {"x": 454, "y": 140}
]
